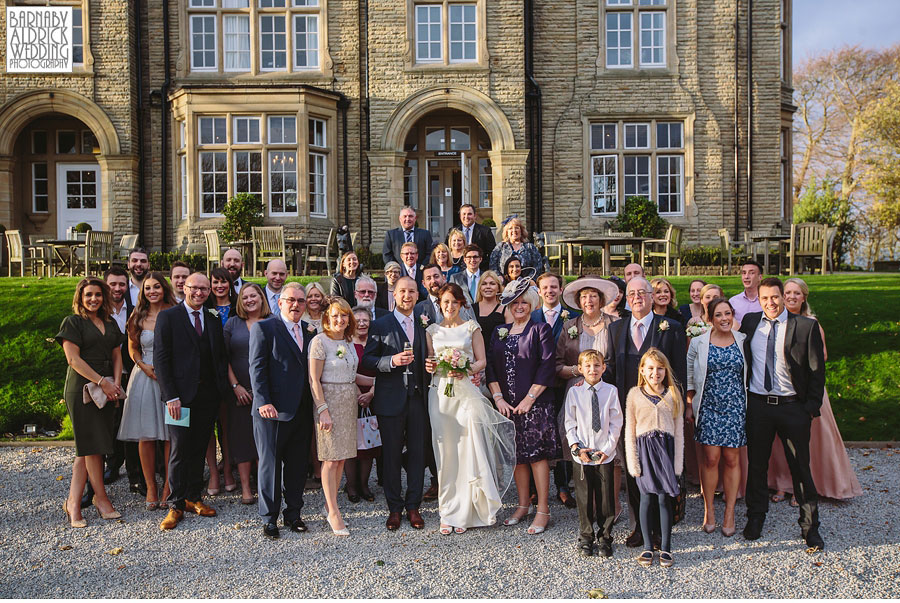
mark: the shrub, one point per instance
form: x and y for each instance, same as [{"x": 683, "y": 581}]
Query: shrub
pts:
[
  {"x": 163, "y": 260},
  {"x": 488, "y": 222},
  {"x": 640, "y": 217},
  {"x": 369, "y": 260},
  {"x": 242, "y": 213},
  {"x": 820, "y": 203},
  {"x": 701, "y": 256},
  {"x": 83, "y": 227}
]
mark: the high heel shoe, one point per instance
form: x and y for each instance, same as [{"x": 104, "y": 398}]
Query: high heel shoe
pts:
[
  {"x": 342, "y": 532},
  {"x": 152, "y": 505},
  {"x": 511, "y": 521},
  {"x": 459, "y": 530},
  {"x": 535, "y": 530},
  {"x": 111, "y": 515},
  {"x": 75, "y": 523},
  {"x": 728, "y": 532},
  {"x": 709, "y": 528},
  {"x": 446, "y": 530}
]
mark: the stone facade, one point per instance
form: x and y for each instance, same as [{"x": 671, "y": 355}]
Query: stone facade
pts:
[{"x": 371, "y": 87}]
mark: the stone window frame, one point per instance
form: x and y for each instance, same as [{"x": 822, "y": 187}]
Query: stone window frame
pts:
[
  {"x": 34, "y": 193},
  {"x": 669, "y": 65},
  {"x": 86, "y": 67},
  {"x": 482, "y": 61},
  {"x": 655, "y": 152},
  {"x": 291, "y": 9}
]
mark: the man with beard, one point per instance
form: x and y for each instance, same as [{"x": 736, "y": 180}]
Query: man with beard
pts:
[
  {"x": 433, "y": 279},
  {"x": 233, "y": 262},
  {"x": 365, "y": 292},
  {"x": 138, "y": 265}
]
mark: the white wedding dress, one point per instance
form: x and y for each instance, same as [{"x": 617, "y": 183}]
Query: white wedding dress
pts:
[{"x": 474, "y": 445}]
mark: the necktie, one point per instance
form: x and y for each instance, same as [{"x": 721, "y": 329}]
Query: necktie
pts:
[
  {"x": 550, "y": 317},
  {"x": 197, "y": 326},
  {"x": 409, "y": 235},
  {"x": 596, "y": 422},
  {"x": 275, "y": 297},
  {"x": 408, "y": 328},
  {"x": 770, "y": 353},
  {"x": 468, "y": 235},
  {"x": 638, "y": 335},
  {"x": 437, "y": 311},
  {"x": 473, "y": 286},
  {"x": 297, "y": 336}
]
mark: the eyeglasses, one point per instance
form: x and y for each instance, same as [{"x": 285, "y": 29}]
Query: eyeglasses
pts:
[
  {"x": 198, "y": 289},
  {"x": 365, "y": 292},
  {"x": 638, "y": 293},
  {"x": 293, "y": 300},
  {"x": 472, "y": 257},
  {"x": 410, "y": 253}
]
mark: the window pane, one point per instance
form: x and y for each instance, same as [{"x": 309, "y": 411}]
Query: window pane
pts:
[
  {"x": 653, "y": 39},
  {"x": 246, "y": 130},
  {"x": 317, "y": 133},
  {"x": 603, "y": 136},
  {"x": 459, "y": 139},
  {"x": 248, "y": 172},
  {"x": 283, "y": 130},
  {"x": 213, "y": 182},
  {"x": 203, "y": 42},
  {"x": 668, "y": 135},
  {"x": 637, "y": 175},
  {"x": 637, "y": 136},
  {"x": 317, "y": 184},
  {"x": 411, "y": 183},
  {"x": 88, "y": 142},
  {"x": 283, "y": 182},
  {"x": 670, "y": 183},
  {"x": 235, "y": 3},
  {"x": 428, "y": 33},
  {"x": 463, "y": 32},
  {"x": 273, "y": 42},
  {"x": 306, "y": 41},
  {"x": 77, "y": 37},
  {"x": 237, "y": 42},
  {"x": 604, "y": 185},
  {"x": 39, "y": 187},
  {"x": 485, "y": 182},
  {"x": 618, "y": 39},
  {"x": 434, "y": 139},
  {"x": 66, "y": 143}
]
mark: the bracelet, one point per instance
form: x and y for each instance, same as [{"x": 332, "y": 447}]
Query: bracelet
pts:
[
  {"x": 234, "y": 385},
  {"x": 532, "y": 396},
  {"x": 321, "y": 409},
  {"x": 494, "y": 396},
  {"x": 100, "y": 380}
]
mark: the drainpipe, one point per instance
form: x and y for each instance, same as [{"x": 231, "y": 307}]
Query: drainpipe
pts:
[
  {"x": 164, "y": 123},
  {"x": 368, "y": 123},
  {"x": 749, "y": 114},
  {"x": 343, "y": 105},
  {"x": 140, "y": 118},
  {"x": 737, "y": 140},
  {"x": 535, "y": 120}
]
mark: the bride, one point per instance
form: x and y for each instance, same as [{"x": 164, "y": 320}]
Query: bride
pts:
[{"x": 474, "y": 445}]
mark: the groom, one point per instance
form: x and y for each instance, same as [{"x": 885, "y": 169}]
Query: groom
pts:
[{"x": 400, "y": 401}]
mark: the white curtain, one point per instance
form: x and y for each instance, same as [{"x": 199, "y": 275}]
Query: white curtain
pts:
[{"x": 237, "y": 40}]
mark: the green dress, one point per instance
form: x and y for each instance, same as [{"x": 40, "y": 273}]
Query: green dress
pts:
[{"x": 95, "y": 429}]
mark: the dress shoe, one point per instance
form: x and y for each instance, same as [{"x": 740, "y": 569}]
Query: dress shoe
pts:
[
  {"x": 367, "y": 495},
  {"x": 585, "y": 549},
  {"x": 200, "y": 508},
  {"x": 415, "y": 520},
  {"x": 431, "y": 493},
  {"x": 813, "y": 539},
  {"x": 138, "y": 488},
  {"x": 728, "y": 532},
  {"x": 604, "y": 549},
  {"x": 172, "y": 519},
  {"x": 566, "y": 498},
  {"x": 110, "y": 475},
  {"x": 298, "y": 526},
  {"x": 271, "y": 530},
  {"x": 634, "y": 540},
  {"x": 75, "y": 523},
  {"x": 353, "y": 497},
  {"x": 393, "y": 520},
  {"x": 753, "y": 529},
  {"x": 110, "y": 515}
]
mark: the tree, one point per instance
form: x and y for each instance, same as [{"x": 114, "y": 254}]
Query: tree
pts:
[
  {"x": 882, "y": 126},
  {"x": 820, "y": 203},
  {"x": 640, "y": 217},
  {"x": 242, "y": 212}
]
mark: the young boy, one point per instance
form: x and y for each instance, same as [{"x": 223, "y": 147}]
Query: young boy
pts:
[{"x": 593, "y": 422}]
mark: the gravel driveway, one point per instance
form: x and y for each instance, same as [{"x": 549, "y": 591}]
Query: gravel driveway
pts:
[{"x": 227, "y": 557}]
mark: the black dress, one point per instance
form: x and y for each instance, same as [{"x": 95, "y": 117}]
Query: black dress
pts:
[
  {"x": 94, "y": 428},
  {"x": 489, "y": 322}
]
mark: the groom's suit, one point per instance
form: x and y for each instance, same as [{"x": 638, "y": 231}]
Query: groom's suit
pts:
[{"x": 400, "y": 403}]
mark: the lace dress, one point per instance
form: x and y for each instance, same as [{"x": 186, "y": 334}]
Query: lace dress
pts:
[
  {"x": 474, "y": 445},
  {"x": 144, "y": 414},
  {"x": 341, "y": 394}
]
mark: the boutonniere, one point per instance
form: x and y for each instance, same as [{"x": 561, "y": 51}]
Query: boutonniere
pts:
[
  {"x": 502, "y": 333},
  {"x": 213, "y": 311},
  {"x": 311, "y": 328},
  {"x": 423, "y": 318},
  {"x": 341, "y": 350},
  {"x": 664, "y": 326},
  {"x": 573, "y": 332},
  {"x": 564, "y": 315}
]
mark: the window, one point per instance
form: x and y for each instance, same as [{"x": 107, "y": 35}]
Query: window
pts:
[
  {"x": 272, "y": 43},
  {"x": 317, "y": 185},
  {"x": 635, "y": 27},
  {"x": 246, "y": 130},
  {"x": 434, "y": 139},
  {"x": 447, "y": 32},
  {"x": 283, "y": 183},
  {"x": 282, "y": 130},
  {"x": 39, "y": 142},
  {"x": 637, "y": 159},
  {"x": 317, "y": 133},
  {"x": 485, "y": 182},
  {"x": 428, "y": 33},
  {"x": 66, "y": 142},
  {"x": 40, "y": 196},
  {"x": 237, "y": 42},
  {"x": 184, "y": 187},
  {"x": 306, "y": 41},
  {"x": 411, "y": 183},
  {"x": 212, "y": 130},
  {"x": 203, "y": 43},
  {"x": 463, "y": 33},
  {"x": 248, "y": 172},
  {"x": 77, "y": 37},
  {"x": 213, "y": 183},
  {"x": 459, "y": 139},
  {"x": 88, "y": 142}
]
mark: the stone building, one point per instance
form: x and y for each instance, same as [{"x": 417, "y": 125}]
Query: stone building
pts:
[{"x": 339, "y": 111}]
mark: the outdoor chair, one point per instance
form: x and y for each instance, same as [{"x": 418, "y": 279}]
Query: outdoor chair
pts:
[
  {"x": 620, "y": 253},
  {"x": 268, "y": 244},
  {"x": 22, "y": 254},
  {"x": 729, "y": 248},
  {"x": 98, "y": 250},
  {"x": 126, "y": 244},
  {"x": 320, "y": 253},
  {"x": 807, "y": 242},
  {"x": 667, "y": 249},
  {"x": 553, "y": 250},
  {"x": 213, "y": 248}
]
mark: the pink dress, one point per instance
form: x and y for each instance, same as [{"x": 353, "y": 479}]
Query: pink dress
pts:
[{"x": 828, "y": 460}]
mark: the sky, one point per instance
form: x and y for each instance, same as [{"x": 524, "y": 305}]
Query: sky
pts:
[{"x": 826, "y": 24}]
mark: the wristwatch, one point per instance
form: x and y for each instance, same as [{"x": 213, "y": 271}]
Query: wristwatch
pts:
[
  {"x": 532, "y": 396},
  {"x": 234, "y": 385}
]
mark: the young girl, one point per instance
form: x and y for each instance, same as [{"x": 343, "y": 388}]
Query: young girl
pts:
[{"x": 654, "y": 447}]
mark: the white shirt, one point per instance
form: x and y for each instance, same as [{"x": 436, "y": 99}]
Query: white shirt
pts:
[
  {"x": 557, "y": 308},
  {"x": 191, "y": 311},
  {"x": 401, "y": 318},
  {"x": 133, "y": 291},
  {"x": 273, "y": 305},
  {"x": 238, "y": 283},
  {"x": 781, "y": 380},
  {"x": 579, "y": 419},
  {"x": 120, "y": 315},
  {"x": 646, "y": 321}
]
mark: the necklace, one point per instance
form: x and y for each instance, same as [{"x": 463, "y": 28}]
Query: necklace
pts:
[{"x": 591, "y": 326}]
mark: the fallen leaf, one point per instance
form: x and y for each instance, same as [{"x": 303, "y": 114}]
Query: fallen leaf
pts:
[
  {"x": 597, "y": 593},
  {"x": 121, "y": 567},
  {"x": 379, "y": 563},
  {"x": 59, "y": 478},
  {"x": 116, "y": 551},
  {"x": 818, "y": 564},
  {"x": 65, "y": 547},
  {"x": 867, "y": 467}
]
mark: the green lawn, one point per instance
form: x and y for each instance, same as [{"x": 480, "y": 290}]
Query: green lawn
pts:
[{"x": 860, "y": 314}]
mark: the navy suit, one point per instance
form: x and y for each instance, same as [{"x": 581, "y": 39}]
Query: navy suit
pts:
[
  {"x": 482, "y": 236},
  {"x": 279, "y": 376},
  {"x": 394, "y": 240},
  {"x": 538, "y": 317},
  {"x": 427, "y": 308},
  {"x": 400, "y": 403}
]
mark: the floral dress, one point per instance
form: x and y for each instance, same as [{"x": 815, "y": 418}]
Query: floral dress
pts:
[{"x": 723, "y": 411}]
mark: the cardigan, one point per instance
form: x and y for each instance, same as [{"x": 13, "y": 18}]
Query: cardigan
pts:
[
  {"x": 697, "y": 357},
  {"x": 643, "y": 416},
  {"x": 568, "y": 349}
]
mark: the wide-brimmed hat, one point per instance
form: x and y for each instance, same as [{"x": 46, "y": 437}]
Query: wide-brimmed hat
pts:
[
  {"x": 608, "y": 289},
  {"x": 514, "y": 290}
]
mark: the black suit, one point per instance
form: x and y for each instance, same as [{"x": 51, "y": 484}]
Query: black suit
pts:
[
  {"x": 394, "y": 240},
  {"x": 484, "y": 238},
  {"x": 191, "y": 368},
  {"x": 622, "y": 371},
  {"x": 279, "y": 374},
  {"x": 400, "y": 403},
  {"x": 804, "y": 355}
]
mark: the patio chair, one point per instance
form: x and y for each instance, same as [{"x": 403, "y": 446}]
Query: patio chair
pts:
[
  {"x": 22, "y": 255},
  {"x": 553, "y": 250},
  {"x": 126, "y": 244},
  {"x": 268, "y": 244},
  {"x": 98, "y": 250},
  {"x": 620, "y": 253},
  {"x": 729, "y": 248},
  {"x": 213, "y": 248},
  {"x": 320, "y": 253},
  {"x": 668, "y": 249},
  {"x": 807, "y": 242}
]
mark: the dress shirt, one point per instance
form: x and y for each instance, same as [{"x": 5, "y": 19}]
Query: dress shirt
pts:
[
  {"x": 467, "y": 233},
  {"x": 120, "y": 315},
  {"x": 190, "y": 312},
  {"x": 273, "y": 305},
  {"x": 744, "y": 305},
  {"x": 437, "y": 308},
  {"x": 557, "y": 308},
  {"x": 410, "y": 271},
  {"x": 578, "y": 419},
  {"x": 238, "y": 283},
  {"x": 646, "y": 321},
  {"x": 290, "y": 327},
  {"x": 401, "y": 317},
  {"x": 133, "y": 291},
  {"x": 781, "y": 380}
]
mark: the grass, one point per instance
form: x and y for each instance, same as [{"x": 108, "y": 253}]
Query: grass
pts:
[{"x": 859, "y": 312}]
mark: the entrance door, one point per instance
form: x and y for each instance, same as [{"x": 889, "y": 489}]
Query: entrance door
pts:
[
  {"x": 77, "y": 196},
  {"x": 444, "y": 194}
]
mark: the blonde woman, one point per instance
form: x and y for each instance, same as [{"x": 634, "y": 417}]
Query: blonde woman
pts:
[
  {"x": 488, "y": 311},
  {"x": 315, "y": 300},
  {"x": 515, "y": 241},
  {"x": 664, "y": 301},
  {"x": 440, "y": 257},
  {"x": 456, "y": 242}
]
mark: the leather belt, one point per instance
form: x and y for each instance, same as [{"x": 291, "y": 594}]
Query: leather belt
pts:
[{"x": 775, "y": 400}]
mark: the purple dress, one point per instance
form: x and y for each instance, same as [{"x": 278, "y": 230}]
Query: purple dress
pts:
[{"x": 515, "y": 363}]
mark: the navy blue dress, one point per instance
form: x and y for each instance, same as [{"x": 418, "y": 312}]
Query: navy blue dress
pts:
[
  {"x": 723, "y": 408},
  {"x": 656, "y": 453}
]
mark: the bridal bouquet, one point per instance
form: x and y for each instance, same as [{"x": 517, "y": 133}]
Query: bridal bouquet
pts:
[
  {"x": 698, "y": 328},
  {"x": 451, "y": 359}
]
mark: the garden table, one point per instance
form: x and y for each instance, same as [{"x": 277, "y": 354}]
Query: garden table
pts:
[{"x": 604, "y": 241}]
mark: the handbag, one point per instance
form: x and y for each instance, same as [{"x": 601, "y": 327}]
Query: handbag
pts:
[
  {"x": 367, "y": 434},
  {"x": 94, "y": 393},
  {"x": 679, "y": 503}
]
